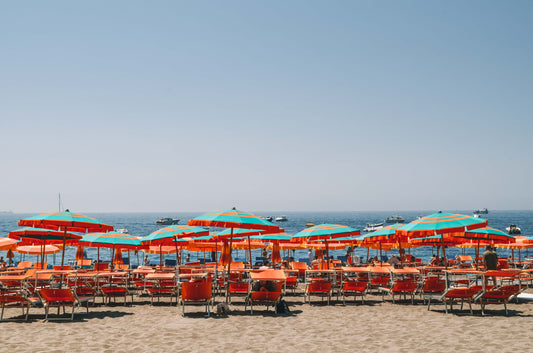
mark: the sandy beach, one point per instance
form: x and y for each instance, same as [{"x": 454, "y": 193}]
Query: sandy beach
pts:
[{"x": 374, "y": 326}]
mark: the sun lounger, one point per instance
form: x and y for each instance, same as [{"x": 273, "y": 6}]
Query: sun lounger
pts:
[
  {"x": 432, "y": 286},
  {"x": 162, "y": 285},
  {"x": 238, "y": 289},
  {"x": 268, "y": 298},
  {"x": 405, "y": 286},
  {"x": 318, "y": 288},
  {"x": 55, "y": 297},
  {"x": 457, "y": 295},
  {"x": 196, "y": 292},
  {"x": 354, "y": 288},
  {"x": 499, "y": 295},
  {"x": 16, "y": 299}
]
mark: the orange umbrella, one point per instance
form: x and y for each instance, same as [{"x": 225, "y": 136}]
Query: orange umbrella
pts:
[
  {"x": 36, "y": 249},
  {"x": 225, "y": 256},
  {"x": 165, "y": 249},
  {"x": 7, "y": 244},
  {"x": 118, "y": 257},
  {"x": 276, "y": 257},
  {"x": 79, "y": 253}
]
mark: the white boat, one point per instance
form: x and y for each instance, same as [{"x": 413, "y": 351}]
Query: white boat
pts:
[
  {"x": 167, "y": 221},
  {"x": 281, "y": 219},
  {"x": 481, "y": 211},
  {"x": 269, "y": 218},
  {"x": 121, "y": 230},
  {"x": 373, "y": 227},
  {"x": 395, "y": 219},
  {"x": 513, "y": 230}
]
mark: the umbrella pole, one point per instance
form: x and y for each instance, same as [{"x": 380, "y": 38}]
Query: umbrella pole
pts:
[
  {"x": 444, "y": 252},
  {"x": 229, "y": 265},
  {"x": 249, "y": 251},
  {"x": 63, "y": 253},
  {"x": 176, "y": 245},
  {"x": 400, "y": 250},
  {"x": 98, "y": 256},
  {"x": 161, "y": 256},
  {"x": 368, "y": 255},
  {"x": 112, "y": 259},
  {"x": 380, "y": 255},
  {"x": 327, "y": 253}
]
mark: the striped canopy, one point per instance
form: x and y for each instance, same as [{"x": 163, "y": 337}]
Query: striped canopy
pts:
[
  {"x": 69, "y": 221},
  {"x": 277, "y": 237},
  {"x": 233, "y": 219},
  {"x": 325, "y": 232},
  {"x": 169, "y": 235},
  {"x": 49, "y": 235},
  {"x": 111, "y": 240},
  {"x": 487, "y": 234},
  {"x": 7, "y": 244},
  {"x": 435, "y": 240},
  {"x": 37, "y": 249},
  {"x": 386, "y": 235},
  {"x": 440, "y": 223}
]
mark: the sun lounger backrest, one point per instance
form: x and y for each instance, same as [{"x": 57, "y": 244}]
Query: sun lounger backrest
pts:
[
  {"x": 57, "y": 295},
  {"x": 25, "y": 264},
  {"x": 265, "y": 295},
  {"x": 319, "y": 286},
  {"x": 195, "y": 291}
]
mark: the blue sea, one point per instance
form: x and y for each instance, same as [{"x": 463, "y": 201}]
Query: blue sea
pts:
[{"x": 142, "y": 224}]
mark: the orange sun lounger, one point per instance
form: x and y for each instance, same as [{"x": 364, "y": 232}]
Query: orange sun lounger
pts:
[
  {"x": 16, "y": 299},
  {"x": 355, "y": 289},
  {"x": 319, "y": 288},
  {"x": 56, "y": 297},
  {"x": 196, "y": 292}
]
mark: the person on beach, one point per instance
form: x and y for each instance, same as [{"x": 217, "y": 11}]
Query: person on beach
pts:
[
  {"x": 394, "y": 261},
  {"x": 490, "y": 258},
  {"x": 374, "y": 261},
  {"x": 188, "y": 258},
  {"x": 146, "y": 262},
  {"x": 2, "y": 263}
]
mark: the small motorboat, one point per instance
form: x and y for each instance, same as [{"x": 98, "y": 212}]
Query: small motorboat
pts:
[
  {"x": 281, "y": 219},
  {"x": 269, "y": 218},
  {"x": 481, "y": 211},
  {"x": 167, "y": 221},
  {"x": 121, "y": 230},
  {"x": 371, "y": 227},
  {"x": 395, "y": 219},
  {"x": 513, "y": 230},
  {"x": 309, "y": 224}
]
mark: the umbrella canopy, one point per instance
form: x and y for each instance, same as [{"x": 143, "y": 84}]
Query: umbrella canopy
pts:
[
  {"x": 167, "y": 235},
  {"x": 66, "y": 221},
  {"x": 233, "y": 219},
  {"x": 73, "y": 222},
  {"x": 111, "y": 240},
  {"x": 440, "y": 223},
  {"x": 79, "y": 253},
  {"x": 37, "y": 249},
  {"x": 44, "y": 234},
  {"x": 386, "y": 235},
  {"x": 276, "y": 256},
  {"x": 166, "y": 249},
  {"x": 487, "y": 234},
  {"x": 325, "y": 232},
  {"x": 435, "y": 240},
  {"x": 7, "y": 244}
]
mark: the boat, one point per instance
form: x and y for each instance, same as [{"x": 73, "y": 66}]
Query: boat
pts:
[
  {"x": 513, "y": 230},
  {"x": 269, "y": 218},
  {"x": 371, "y": 227},
  {"x": 167, "y": 221},
  {"x": 121, "y": 230},
  {"x": 395, "y": 219},
  {"x": 281, "y": 219},
  {"x": 309, "y": 224},
  {"x": 481, "y": 211}
]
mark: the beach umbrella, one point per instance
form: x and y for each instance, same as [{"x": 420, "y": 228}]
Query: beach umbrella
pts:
[
  {"x": 67, "y": 222},
  {"x": 275, "y": 257},
  {"x": 30, "y": 235},
  {"x": 485, "y": 235},
  {"x": 165, "y": 249},
  {"x": 7, "y": 244},
  {"x": 173, "y": 235},
  {"x": 37, "y": 250},
  {"x": 79, "y": 253},
  {"x": 439, "y": 224},
  {"x": 325, "y": 233},
  {"x": 112, "y": 240},
  {"x": 233, "y": 219}
]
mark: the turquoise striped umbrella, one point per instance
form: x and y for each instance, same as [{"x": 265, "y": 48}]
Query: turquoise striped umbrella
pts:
[
  {"x": 325, "y": 232},
  {"x": 113, "y": 240},
  {"x": 171, "y": 236},
  {"x": 44, "y": 235},
  {"x": 66, "y": 221},
  {"x": 233, "y": 219},
  {"x": 440, "y": 223}
]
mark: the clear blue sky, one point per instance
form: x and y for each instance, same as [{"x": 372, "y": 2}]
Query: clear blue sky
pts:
[{"x": 272, "y": 105}]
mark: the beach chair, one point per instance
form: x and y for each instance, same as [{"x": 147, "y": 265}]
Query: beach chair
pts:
[
  {"x": 457, "y": 295},
  {"x": 40, "y": 265},
  {"x": 354, "y": 288},
  {"x": 432, "y": 286},
  {"x": 406, "y": 286},
  {"x": 84, "y": 264},
  {"x": 300, "y": 266},
  {"x": 499, "y": 295},
  {"x": 268, "y": 298},
  {"x": 24, "y": 265},
  {"x": 318, "y": 288},
  {"x": 16, "y": 299},
  {"x": 238, "y": 289},
  {"x": 291, "y": 283},
  {"x": 164, "y": 285},
  {"x": 56, "y": 297},
  {"x": 196, "y": 292},
  {"x": 115, "y": 287}
]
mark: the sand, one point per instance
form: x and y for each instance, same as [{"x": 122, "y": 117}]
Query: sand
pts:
[{"x": 374, "y": 326}]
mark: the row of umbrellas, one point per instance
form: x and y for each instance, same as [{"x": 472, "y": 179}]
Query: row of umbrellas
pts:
[{"x": 440, "y": 229}]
